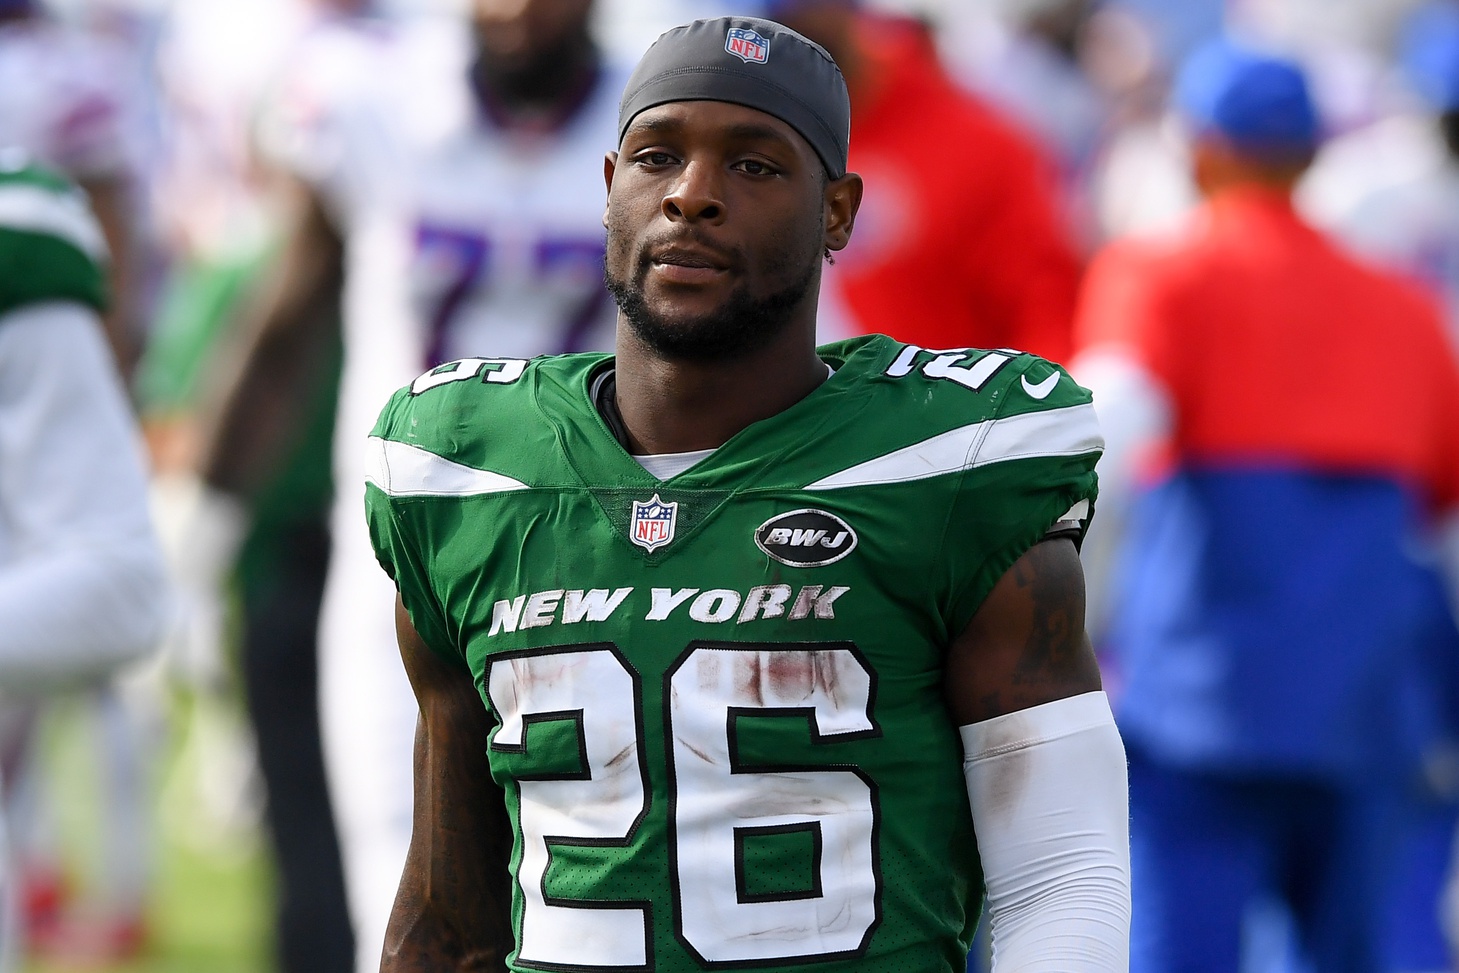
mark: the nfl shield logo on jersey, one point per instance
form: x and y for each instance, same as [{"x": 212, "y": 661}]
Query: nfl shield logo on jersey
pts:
[
  {"x": 652, "y": 524},
  {"x": 747, "y": 45}
]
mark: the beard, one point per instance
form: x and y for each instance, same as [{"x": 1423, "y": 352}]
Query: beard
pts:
[
  {"x": 731, "y": 331},
  {"x": 542, "y": 78}
]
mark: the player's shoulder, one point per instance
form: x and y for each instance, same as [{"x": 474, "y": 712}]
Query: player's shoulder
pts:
[
  {"x": 940, "y": 385},
  {"x": 498, "y": 389},
  {"x": 924, "y": 411},
  {"x": 51, "y": 246},
  {"x": 484, "y": 413},
  {"x": 1404, "y": 311}
]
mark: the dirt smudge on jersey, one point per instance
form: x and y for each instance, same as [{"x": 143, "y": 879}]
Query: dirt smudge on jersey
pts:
[
  {"x": 748, "y": 676},
  {"x": 1008, "y": 767},
  {"x": 793, "y": 675},
  {"x": 707, "y": 668}
]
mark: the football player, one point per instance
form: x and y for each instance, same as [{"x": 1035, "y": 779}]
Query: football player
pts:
[
  {"x": 733, "y": 652},
  {"x": 82, "y": 583},
  {"x": 1280, "y": 679}
]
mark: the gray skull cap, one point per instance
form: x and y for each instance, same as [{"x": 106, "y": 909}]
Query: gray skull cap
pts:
[{"x": 752, "y": 62}]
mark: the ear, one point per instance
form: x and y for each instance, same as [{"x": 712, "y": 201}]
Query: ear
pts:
[
  {"x": 610, "y": 163},
  {"x": 842, "y": 200}
]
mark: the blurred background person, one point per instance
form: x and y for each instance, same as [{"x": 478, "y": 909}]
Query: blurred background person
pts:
[
  {"x": 1344, "y": 45},
  {"x": 221, "y": 207},
  {"x": 76, "y": 101},
  {"x": 962, "y": 240},
  {"x": 1301, "y": 411},
  {"x": 1390, "y": 190},
  {"x": 452, "y": 187},
  {"x": 1036, "y": 60},
  {"x": 82, "y": 584}
]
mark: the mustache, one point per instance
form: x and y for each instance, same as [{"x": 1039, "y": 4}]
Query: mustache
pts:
[{"x": 689, "y": 242}]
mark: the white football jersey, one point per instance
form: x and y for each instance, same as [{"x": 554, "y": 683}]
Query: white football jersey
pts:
[
  {"x": 463, "y": 238},
  {"x": 507, "y": 236}
]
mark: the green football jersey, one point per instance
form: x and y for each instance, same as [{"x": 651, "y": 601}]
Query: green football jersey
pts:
[
  {"x": 51, "y": 248},
  {"x": 718, "y": 697}
]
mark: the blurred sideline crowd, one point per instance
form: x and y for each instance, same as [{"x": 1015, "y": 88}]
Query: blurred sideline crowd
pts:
[{"x": 229, "y": 230}]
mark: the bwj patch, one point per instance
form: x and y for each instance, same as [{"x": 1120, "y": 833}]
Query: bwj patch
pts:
[
  {"x": 652, "y": 524},
  {"x": 747, "y": 45}
]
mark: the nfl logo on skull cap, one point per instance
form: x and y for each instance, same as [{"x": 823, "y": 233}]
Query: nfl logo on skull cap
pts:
[
  {"x": 747, "y": 45},
  {"x": 652, "y": 524}
]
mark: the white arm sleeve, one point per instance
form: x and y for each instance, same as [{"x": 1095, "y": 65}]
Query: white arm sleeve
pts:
[
  {"x": 1135, "y": 413},
  {"x": 1050, "y": 798},
  {"x": 82, "y": 583}
]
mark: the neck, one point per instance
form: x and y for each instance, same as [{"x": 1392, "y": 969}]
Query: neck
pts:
[
  {"x": 673, "y": 406},
  {"x": 1220, "y": 170}
]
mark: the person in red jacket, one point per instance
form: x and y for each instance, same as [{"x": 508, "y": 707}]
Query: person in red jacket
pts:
[
  {"x": 960, "y": 238},
  {"x": 1276, "y": 633}
]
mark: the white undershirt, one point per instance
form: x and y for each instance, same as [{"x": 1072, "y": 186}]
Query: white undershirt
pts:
[{"x": 664, "y": 466}]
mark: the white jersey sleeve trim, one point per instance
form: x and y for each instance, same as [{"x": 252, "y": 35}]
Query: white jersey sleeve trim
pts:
[
  {"x": 403, "y": 470},
  {"x": 39, "y": 210},
  {"x": 1070, "y": 431}
]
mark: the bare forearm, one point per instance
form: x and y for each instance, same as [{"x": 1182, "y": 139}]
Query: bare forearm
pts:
[
  {"x": 453, "y": 909},
  {"x": 418, "y": 941},
  {"x": 263, "y": 378},
  {"x": 252, "y": 426},
  {"x": 449, "y": 912}
]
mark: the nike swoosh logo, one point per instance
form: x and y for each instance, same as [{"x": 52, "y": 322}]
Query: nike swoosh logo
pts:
[{"x": 1042, "y": 389}]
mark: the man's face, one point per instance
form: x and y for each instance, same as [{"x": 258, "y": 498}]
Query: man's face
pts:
[
  {"x": 517, "y": 35},
  {"x": 716, "y": 225}
]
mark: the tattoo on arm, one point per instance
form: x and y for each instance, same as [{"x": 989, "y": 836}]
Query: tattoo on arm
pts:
[
  {"x": 1052, "y": 651},
  {"x": 1026, "y": 645}
]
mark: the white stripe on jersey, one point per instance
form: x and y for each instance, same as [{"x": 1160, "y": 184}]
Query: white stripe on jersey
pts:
[
  {"x": 39, "y": 210},
  {"x": 403, "y": 470},
  {"x": 1054, "y": 432}
]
